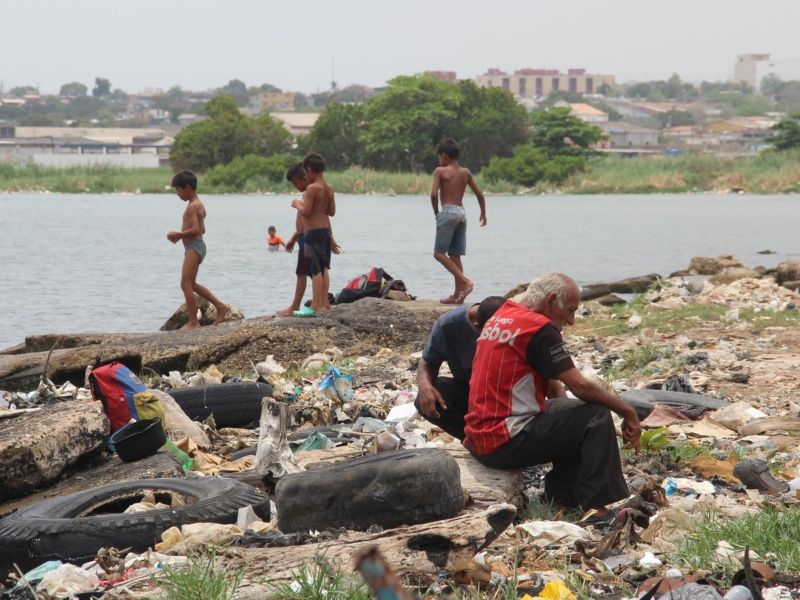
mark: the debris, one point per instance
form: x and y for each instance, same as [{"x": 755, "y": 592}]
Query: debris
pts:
[{"x": 546, "y": 533}]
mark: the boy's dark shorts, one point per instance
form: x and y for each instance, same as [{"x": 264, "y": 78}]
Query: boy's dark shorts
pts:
[
  {"x": 301, "y": 256},
  {"x": 317, "y": 251}
]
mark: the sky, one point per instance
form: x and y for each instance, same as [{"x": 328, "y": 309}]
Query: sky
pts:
[{"x": 202, "y": 44}]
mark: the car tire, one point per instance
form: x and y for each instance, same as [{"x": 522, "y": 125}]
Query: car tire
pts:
[
  {"x": 57, "y": 528},
  {"x": 232, "y": 404},
  {"x": 386, "y": 489}
]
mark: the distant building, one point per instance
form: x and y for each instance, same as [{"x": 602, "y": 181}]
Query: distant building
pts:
[
  {"x": 586, "y": 112},
  {"x": 746, "y": 69},
  {"x": 625, "y": 135},
  {"x": 540, "y": 83},
  {"x": 296, "y": 122},
  {"x": 269, "y": 101},
  {"x": 443, "y": 75}
]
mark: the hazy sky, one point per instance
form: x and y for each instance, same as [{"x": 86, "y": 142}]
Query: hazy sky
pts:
[{"x": 201, "y": 44}]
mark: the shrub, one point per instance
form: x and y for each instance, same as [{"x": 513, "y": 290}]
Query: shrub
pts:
[{"x": 237, "y": 173}]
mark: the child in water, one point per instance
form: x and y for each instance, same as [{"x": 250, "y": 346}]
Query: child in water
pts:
[{"x": 274, "y": 241}]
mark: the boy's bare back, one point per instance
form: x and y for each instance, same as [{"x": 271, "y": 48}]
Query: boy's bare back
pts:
[
  {"x": 319, "y": 205},
  {"x": 452, "y": 182}
]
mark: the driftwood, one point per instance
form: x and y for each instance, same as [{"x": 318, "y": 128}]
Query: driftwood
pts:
[
  {"x": 416, "y": 549},
  {"x": 273, "y": 456}
]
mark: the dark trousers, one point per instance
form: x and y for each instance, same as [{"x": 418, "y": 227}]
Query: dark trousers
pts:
[
  {"x": 456, "y": 396},
  {"x": 579, "y": 439}
]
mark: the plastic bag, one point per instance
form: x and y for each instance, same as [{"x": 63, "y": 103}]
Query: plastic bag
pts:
[
  {"x": 337, "y": 386},
  {"x": 178, "y": 425}
]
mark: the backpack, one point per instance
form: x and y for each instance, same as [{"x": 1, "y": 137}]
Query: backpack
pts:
[
  {"x": 115, "y": 385},
  {"x": 374, "y": 284}
]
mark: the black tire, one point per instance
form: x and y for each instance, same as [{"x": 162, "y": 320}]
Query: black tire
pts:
[
  {"x": 55, "y": 528},
  {"x": 643, "y": 401},
  {"x": 386, "y": 489},
  {"x": 243, "y": 452},
  {"x": 232, "y": 404}
]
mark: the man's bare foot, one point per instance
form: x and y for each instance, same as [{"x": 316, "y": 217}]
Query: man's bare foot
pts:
[
  {"x": 286, "y": 312},
  {"x": 221, "y": 313},
  {"x": 191, "y": 326},
  {"x": 462, "y": 295}
]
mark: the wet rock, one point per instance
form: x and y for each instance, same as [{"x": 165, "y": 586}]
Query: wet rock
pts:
[
  {"x": 208, "y": 313},
  {"x": 36, "y": 447},
  {"x": 631, "y": 285},
  {"x": 788, "y": 270},
  {"x": 731, "y": 274},
  {"x": 610, "y": 300},
  {"x": 709, "y": 265}
]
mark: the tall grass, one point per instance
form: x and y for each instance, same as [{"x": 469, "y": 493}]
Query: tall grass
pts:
[{"x": 767, "y": 173}]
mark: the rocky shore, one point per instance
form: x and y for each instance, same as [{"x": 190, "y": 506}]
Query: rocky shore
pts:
[{"x": 717, "y": 328}]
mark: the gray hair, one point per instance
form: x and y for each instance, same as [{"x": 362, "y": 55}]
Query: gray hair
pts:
[{"x": 544, "y": 285}]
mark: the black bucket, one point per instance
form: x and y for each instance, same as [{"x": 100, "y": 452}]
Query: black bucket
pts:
[{"x": 139, "y": 440}]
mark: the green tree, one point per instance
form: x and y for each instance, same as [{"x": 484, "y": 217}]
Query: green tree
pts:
[
  {"x": 556, "y": 131},
  {"x": 753, "y": 106},
  {"x": 74, "y": 88},
  {"x": 787, "y": 136},
  {"x": 102, "y": 87},
  {"x": 337, "y": 135},
  {"x": 23, "y": 90},
  {"x": 404, "y": 124},
  {"x": 236, "y": 88},
  {"x": 639, "y": 90},
  {"x": 225, "y": 135},
  {"x": 524, "y": 167},
  {"x": 771, "y": 85},
  {"x": 675, "y": 118},
  {"x": 490, "y": 122}
]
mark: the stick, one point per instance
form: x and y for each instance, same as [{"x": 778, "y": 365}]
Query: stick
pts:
[{"x": 47, "y": 361}]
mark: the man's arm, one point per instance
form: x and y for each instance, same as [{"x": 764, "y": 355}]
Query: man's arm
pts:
[
  {"x": 429, "y": 396},
  {"x": 437, "y": 183},
  {"x": 591, "y": 391},
  {"x": 479, "y": 195},
  {"x": 291, "y": 242}
]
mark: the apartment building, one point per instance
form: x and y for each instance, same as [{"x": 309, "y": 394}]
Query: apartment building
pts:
[{"x": 539, "y": 83}]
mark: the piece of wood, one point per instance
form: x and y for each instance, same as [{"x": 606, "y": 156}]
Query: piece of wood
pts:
[
  {"x": 769, "y": 424},
  {"x": 273, "y": 456},
  {"x": 417, "y": 549}
]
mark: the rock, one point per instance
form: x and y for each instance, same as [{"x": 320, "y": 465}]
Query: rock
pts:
[
  {"x": 609, "y": 300},
  {"x": 707, "y": 265},
  {"x": 516, "y": 290},
  {"x": 792, "y": 285},
  {"x": 208, "y": 313},
  {"x": 731, "y": 274},
  {"x": 788, "y": 270},
  {"x": 359, "y": 328},
  {"x": 631, "y": 285},
  {"x": 36, "y": 447}
]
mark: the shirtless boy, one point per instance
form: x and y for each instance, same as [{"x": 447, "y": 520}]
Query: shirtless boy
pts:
[
  {"x": 296, "y": 175},
  {"x": 191, "y": 233},
  {"x": 450, "y": 181},
  {"x": 316, "y": 206}
]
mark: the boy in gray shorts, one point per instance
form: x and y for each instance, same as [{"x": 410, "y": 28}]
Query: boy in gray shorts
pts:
[{"x": 450, "y": 181}]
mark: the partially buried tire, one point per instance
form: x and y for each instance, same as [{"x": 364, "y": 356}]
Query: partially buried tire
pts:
[
  {"x": 232, "y": 404},
  {"x": 387, "y": 489},
  {"x": 74, "y": 527}
]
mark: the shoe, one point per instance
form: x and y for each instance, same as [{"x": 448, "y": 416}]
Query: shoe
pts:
[{"x": 305, "y": 312}]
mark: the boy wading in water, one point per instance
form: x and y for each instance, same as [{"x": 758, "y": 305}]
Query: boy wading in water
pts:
[
  {"x": 191, "y": 233},
  {"x": 450, "y": 180},
  {"x": 296, "y": 175},
  {"x": 315, "y": 208}
]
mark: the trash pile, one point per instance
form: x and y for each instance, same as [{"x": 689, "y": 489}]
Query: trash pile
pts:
[{"x": 714, "y": 490}]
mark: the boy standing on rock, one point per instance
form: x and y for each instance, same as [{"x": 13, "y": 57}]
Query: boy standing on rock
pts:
[
  {"x": 317, "y": 205},
  {"x": 450, "y": 181},
  {"x": 191, "y": 233}
]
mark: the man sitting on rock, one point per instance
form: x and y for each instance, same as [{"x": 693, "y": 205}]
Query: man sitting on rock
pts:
[
  {"x": 443, "y": 400},
  {"x": 511, "y": 423}
]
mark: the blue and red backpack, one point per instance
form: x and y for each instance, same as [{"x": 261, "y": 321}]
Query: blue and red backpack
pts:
[
  {"x": 115, "y": 385},
  {"x": 373, "y": 284}
]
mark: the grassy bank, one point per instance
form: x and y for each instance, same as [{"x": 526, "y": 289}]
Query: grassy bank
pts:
[{"x": 765, "y": 174}]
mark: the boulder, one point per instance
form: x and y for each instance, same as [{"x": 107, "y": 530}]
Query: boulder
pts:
[
  {"x": 631, "y": 285},
  {"x": 37, "y": 446},
  {"x": 516, "y": 290},
  {"x": 709, "y": 265},
  {"x": 208, "y": 313},
  {"x": 788, "y": 270},
  {"x": 731, "y": 274},
  {"x": 792, "y": 285},
  {"x": 610, "y": 300}
]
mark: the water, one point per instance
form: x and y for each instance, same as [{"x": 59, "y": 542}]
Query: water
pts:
[{"x": 102, "y": 262}]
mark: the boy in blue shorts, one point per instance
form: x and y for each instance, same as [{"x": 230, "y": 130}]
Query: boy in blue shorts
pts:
[{"x": 450, "y": 181}]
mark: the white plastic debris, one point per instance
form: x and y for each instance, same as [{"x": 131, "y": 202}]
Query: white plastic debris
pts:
[
  {"x": 649, "y": 561},
  {"x": 401, "y": 413},
  {"x": 66, "y": 581},
  {"x": 544, "y": 533},
  {"x": 269, "y": 367},
  {"x": 634, "y": 321}
]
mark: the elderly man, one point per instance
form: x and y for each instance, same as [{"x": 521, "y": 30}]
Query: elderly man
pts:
[
  {"x": 443, "y": 400},
  {"x": 511, "y": 424}
]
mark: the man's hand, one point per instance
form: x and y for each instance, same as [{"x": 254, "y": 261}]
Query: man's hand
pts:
[
  {"x": 483, "y": 219},
  {"x": 289, "y": 246},
  {"x": 297, "y": 203},
  {"x": 631, "y": 431},
  {"x": 174, "y": 236},
  {"x": 335, "y": 247},
  {"x": 429, "y": 399}
]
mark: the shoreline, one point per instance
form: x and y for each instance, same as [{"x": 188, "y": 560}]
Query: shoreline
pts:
[{"x": 763, "y": 174}]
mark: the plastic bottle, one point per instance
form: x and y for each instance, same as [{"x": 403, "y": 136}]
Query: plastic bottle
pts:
[{"x": 186, "y": 461}]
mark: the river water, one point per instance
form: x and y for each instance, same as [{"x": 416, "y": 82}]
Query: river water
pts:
[{"x": 74, "y": 263}]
